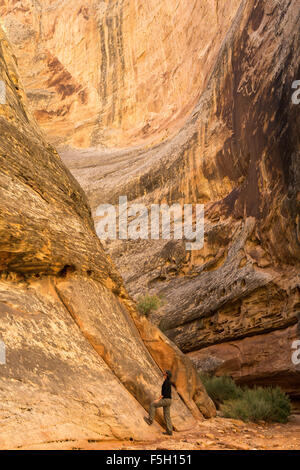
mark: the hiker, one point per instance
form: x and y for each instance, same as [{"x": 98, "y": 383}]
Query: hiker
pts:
[{"x": 165, "y": 401}]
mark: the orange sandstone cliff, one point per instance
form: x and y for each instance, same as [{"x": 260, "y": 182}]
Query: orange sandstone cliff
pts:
[
  {"x": 80, "y": 361},
  {"x": 185, "y": 101}
]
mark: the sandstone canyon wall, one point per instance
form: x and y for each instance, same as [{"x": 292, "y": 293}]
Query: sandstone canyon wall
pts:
[
  {"x": 94, "y": 73},
  {"x": 185, "y": 101},
  {"x": 80, "y": 361}
]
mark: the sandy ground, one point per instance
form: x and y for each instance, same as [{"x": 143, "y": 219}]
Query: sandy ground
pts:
[{"x": 214, "y": 434}]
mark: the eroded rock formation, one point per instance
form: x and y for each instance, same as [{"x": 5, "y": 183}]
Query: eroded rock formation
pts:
[
  {"x": 80, "y": 362},
  {"x": 193, "y": 104},
  {"x": 94, "y": 73}
]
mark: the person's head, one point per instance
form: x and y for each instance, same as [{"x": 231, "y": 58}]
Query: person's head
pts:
[{"x": 167, "y": 374}]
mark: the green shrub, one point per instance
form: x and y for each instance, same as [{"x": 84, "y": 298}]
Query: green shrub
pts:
[
  {"x": 266, "y": 404},
  {"x": 248, "y": 404},
  {"x": 148, "y": 304},
  {"x": 220, "y": 388}
]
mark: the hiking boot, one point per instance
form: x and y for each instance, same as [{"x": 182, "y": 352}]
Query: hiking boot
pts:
[
  {"x": 168, "y": 433},
  {"x": 147, "y": 420}
]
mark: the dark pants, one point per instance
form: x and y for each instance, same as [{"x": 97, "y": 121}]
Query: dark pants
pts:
[{"x": 166, "y": 404}]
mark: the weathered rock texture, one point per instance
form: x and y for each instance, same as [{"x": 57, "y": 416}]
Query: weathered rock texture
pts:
[
  {"x": 114, "y": 73},
  {"x": 80, "y": 362},
  {"x": 193, "y": 104},
  {"x": 256, "y": 359}
]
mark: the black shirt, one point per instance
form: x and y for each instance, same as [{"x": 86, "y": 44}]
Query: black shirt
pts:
[{"x": 166, "y": 389}]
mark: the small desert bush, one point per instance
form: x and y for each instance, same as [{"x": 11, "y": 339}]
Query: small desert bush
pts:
[
  {"x": 220, "y": 388},
  {"x": 248, "y": 404},
  {"x": 259, "y": 404},
  {"x": 148, "y": 304}
]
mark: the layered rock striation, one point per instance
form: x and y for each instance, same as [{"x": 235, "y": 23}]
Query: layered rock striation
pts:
[
  {"x": 193, "y": 104},
  {"x": 79, "y": 360},
  {"x": 114, "y": 73}
]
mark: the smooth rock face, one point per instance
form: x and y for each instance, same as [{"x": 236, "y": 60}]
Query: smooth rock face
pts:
[
  {"x": 203, "y": 116},
  {"x": 114, "y": 73},
  {"x": 78, "y": 363}
]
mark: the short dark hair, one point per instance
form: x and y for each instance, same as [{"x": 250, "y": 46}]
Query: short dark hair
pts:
[{"x": 169, "y": 373}]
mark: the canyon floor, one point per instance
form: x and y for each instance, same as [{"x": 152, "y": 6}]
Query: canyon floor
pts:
[{"x": 212, "y": 434}]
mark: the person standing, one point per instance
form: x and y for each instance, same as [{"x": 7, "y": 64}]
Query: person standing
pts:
[{"x": 164, "y": 401}]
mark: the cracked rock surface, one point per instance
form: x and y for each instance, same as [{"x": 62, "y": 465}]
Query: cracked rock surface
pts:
[
  {"x": 80, "y": 361},
  {"x": 185, "y": 104}
]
